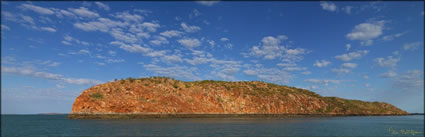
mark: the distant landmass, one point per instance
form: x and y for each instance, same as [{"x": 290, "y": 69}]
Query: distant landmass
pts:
[{"x": 166, "y": 97}]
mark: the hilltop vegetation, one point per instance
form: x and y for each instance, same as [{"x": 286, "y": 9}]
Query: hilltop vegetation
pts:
[{"x": 167, "y": 95}]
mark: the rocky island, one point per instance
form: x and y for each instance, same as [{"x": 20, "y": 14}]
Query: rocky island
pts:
[{"x": 161, "y": 97}]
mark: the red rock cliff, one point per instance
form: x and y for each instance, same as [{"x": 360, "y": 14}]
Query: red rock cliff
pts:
[{"x": 165, "y": 95}]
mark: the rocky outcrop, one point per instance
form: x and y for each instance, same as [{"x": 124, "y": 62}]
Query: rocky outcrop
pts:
[{"x": 161, "y": 95}]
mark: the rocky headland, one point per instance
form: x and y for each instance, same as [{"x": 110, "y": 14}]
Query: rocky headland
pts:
[{"x": 161, "y": 97}]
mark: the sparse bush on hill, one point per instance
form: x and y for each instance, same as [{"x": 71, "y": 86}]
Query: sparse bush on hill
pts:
[{"x": 96, "y": 95}]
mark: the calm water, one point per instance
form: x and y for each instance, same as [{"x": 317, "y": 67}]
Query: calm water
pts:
[{"x": 58, "y": 125}]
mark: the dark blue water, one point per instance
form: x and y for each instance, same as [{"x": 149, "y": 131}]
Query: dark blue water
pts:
[{"x": 58, "y": 125}]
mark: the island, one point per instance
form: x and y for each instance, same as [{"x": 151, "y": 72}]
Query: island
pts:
[{"x": 163, "y": 97}]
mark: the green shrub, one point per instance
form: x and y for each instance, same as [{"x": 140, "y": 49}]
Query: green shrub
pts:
[
  {"x": 96, "y": 95},
  {"x": 131, "y": 79}
]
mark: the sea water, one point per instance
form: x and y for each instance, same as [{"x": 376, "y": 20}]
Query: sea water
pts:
[{"x": 59, "y": 125}]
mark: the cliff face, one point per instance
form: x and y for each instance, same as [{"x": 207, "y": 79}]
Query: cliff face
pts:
[{"x": 164, "y": 95}]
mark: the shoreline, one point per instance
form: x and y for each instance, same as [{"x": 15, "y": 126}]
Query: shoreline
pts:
[{"x": 231, "y": 116}]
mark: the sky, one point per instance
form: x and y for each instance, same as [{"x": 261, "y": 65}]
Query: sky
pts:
[{"x": 370, "y": 51}]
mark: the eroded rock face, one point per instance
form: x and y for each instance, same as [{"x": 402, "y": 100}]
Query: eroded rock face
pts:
[{"x": 165, "y": 95}]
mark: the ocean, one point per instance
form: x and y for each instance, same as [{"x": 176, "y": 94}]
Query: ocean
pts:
[{"x": 59, "y": 125}]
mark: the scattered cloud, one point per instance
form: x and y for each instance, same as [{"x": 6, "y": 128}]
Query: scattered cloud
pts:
[
  {"x": 159, "y": 40},
  {"x": 4, "y": 27},
  {"x": 171, "y": 33},
  {"x": 208, "y": 2},
  {"x": 321, "y": 63},
  {"x": 139, "y": 49},
  {"x": 323, "y": 81},
  {"x": 352, "y": 55},
  {"x": 102, "y": 6},
  {"x": 211, "y": 42},
  {"x": 412, "y": 46},
  {"x": 341, "y": 71},
  {"x": 366, "y": 32},
  {"x": 127, "y": 17},
  {"x": 392, "y": 37},
  {"x": 410, "y": 80},
  {"x": 224, "y": 39},
  {"x": 306, "y": 73},
  {"x": 270, "y": 47},
  {"x": 172, "y": 59},
  {"x": 349, "y": 65},
  {"x": 389, "y": 62},
  {"x": 37, "y": 9},
  {"x": 188, "y": 28},
  {"x": 329, "y": 6},
  {"x": 347, "y": 9},
  {"x": 49, "y": 29},
  {"x": 189, "y": 42},
  {"x": 45, "y": 75},
  {"x": 389, "y": 74},
  {"x": 84, "y": 12},
  {"x": 348, "y": 46}
]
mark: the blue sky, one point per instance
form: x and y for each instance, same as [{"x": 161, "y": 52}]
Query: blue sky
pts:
[{"x": 371, "y": 51}]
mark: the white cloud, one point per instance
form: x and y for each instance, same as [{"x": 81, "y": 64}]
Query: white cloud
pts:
[
  {"x": 211, "y": 42},
  {"x": 389, "y": 62},
  {"x": 159, "y": 40},
  {"x": 412, "y": 46},
  {"x": 286, "y": 64},
  {"x": 112, "y": 53},
  {"x": 128, "y": 17},
  {"x": 172, "y": 58},
  {"x": 352, "y": 55},
  {"x": 250, "y": 72},
  {"x": 188, "y": 28},
  {"x": 150, "y": 26},
  {"x": 4, "y": 27},
  {"x": 189, "y": 42},
  {"x": 389, "y": 74},
  {"x": 348, "y": 9},
  {"x": 27, "y": 19},
  {"x": 341, "y": 70},
  {"x": 114, "y": 60},
  {"x": 171, "y": 33},
  {"x": 118, "y": 34},
  {"x": 83, "y": 51},
  {"x": 51, "y": 76},
  {"x": 208, "y": 2},
  {"x": 306, "y": 73},
  {"x": 410, "y": 80},
  {"x": 224, "y": 39},
  {"x": 391, "y": 37},
  {"x": 321, "y": 63},
  {"x": 102, "y": 6},
  {"x": 37, "y": 9},
  {"x": 100, "y": 64},
  {"x": 349, "y": 65},
  {"x": 294, "y": 68},
  {"x": 329, "y": 6},
  {"x": 323, "y": 81},
  {"x": 195, "y": 13},
  {"x": 102, "y": 24},
  {"x": 348, "y": 46},
  {"x": 84, "y": 12},
  {"x": 49, "y": 29},
  {"x": 366, "y": 32},
  {"x": 139, "y": 49},
  {"x": 270, "y": 48}
]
